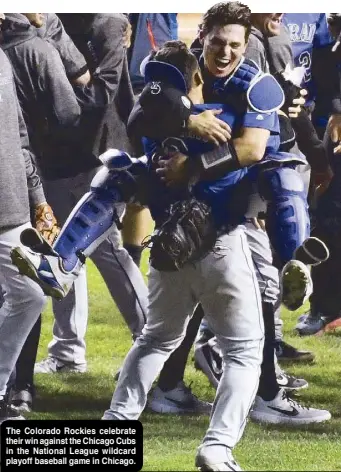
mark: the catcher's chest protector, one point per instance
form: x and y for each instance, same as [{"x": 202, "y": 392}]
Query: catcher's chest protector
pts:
[{"x": 259, "y": 91}]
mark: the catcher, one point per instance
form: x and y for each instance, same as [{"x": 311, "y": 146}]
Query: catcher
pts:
[
  {"x": 199, "y": 254},
  {"x": 218, "y": 273}
]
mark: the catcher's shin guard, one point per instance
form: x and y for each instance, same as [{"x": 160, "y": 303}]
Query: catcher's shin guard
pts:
[
  {"x": 288, "y": 222},
  {"x": 92, "y": 218}
]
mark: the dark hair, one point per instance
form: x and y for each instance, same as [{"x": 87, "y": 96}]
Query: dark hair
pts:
[
  {"x": 178, "y": 55},
  {"x": 227, "y": 13}
]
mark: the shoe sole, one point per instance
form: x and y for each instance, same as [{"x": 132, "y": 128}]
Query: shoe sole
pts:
[
  {"x": 173, "y": 410},
  {"x": 201, "y": 364},
  {"x": 26, "y": 267},
  {"x": 273, "y": 419},
  {"x": 63, "y": 370},
  {"x": 294, "y": 275},
  {"x": 204, "y": 467}
]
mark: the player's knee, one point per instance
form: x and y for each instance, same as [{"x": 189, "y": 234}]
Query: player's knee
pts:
[
  {"x": 26, "y": 294},
  {"x": 161, "y": 339},
  {"x": 248, "y": 353}
]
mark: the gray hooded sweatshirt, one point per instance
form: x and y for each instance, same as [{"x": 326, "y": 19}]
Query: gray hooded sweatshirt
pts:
[
  {"x": 47, "y": 99},
  {"x": 20, "y": 185}
]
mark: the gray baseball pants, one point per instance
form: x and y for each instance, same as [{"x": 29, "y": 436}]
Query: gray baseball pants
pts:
[
  {"x": 23, "y": 301},
  {"x": 224, "y": 282}
]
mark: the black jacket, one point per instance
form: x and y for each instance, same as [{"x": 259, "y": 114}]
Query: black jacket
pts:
[{"x": 109, "y": 99}]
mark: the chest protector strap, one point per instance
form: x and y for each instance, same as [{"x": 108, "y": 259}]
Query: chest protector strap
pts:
[{"x": 263, "y": 92}]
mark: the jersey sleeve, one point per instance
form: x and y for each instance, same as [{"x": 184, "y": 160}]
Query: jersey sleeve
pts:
[{"x": 268, "y": 121}]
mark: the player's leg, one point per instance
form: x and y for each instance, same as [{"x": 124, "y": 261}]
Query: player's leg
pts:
[
  {"x": 231, "y": 301},
  {"x": 67, "y": 349},
  {"x": 23, "y": 390},
  {"x": 171, "y": 395},
  {"x": 171, "y": 304},
  {"x": 288, "y": 226},
  {"x": 23, "y": 302},
  {"x": 272, "y": 403},
  {"x": 123, "y": 279}
]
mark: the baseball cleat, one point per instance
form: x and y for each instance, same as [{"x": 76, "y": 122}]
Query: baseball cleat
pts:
[
  {"x": 296, "y": 284},
  {"x": 46, "y": 270},
  {"x": 312, "y": 324},
  {"x": 206, "y": 465},
  {"x": 52, "y": 365},
  {"x": 284, "y": 410},
  {"x": 7, "y": 412},
  {"x": 32, "y": 239},
  {"x": 179, "y": 401}
]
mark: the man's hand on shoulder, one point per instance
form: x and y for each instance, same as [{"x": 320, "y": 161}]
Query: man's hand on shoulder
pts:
[{"x": 208, "y": 127}]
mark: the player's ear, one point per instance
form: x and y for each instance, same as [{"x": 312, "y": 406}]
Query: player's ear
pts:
[{"x": 197, "y": 78}]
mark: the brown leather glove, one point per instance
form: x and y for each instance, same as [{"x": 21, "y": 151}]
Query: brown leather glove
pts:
[{"x": 46, "y": 223}]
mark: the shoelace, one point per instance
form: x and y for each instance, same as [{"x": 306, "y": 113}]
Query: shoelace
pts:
[{"x": 292, "y": 402}]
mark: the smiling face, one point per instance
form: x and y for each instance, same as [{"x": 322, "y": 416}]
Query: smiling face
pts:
[
  {"x": 223, "y": 47},
  {"x": 268, "y": 23}
]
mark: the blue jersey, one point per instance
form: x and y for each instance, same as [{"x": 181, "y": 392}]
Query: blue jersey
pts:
[
  {"x": 307, "y": 31},
  {"x": 217, "y": 193}
]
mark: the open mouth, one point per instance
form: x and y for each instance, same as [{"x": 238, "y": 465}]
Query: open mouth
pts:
[{"x": 222, "y": 63}]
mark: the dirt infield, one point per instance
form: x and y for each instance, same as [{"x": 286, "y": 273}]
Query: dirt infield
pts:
[{"x": 188, "y": 26}]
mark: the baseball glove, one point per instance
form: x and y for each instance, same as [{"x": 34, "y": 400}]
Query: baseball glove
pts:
[
  {"x": 46, "y": 223},
  {"x": 186, "y": 236}
]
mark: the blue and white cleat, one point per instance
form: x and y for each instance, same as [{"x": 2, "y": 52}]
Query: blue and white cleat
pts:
[{"x": 45, "y": 269}]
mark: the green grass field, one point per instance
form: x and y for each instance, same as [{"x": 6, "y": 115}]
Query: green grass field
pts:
[{"x": 170, "y": 441}]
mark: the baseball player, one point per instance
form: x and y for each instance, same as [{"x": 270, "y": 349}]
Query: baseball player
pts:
[
  {"x": 236, "y": 321},
  {"x": 208, "y": 452}
]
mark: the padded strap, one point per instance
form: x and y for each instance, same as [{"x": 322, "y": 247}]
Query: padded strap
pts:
[{"x": 264, "y": 94}]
